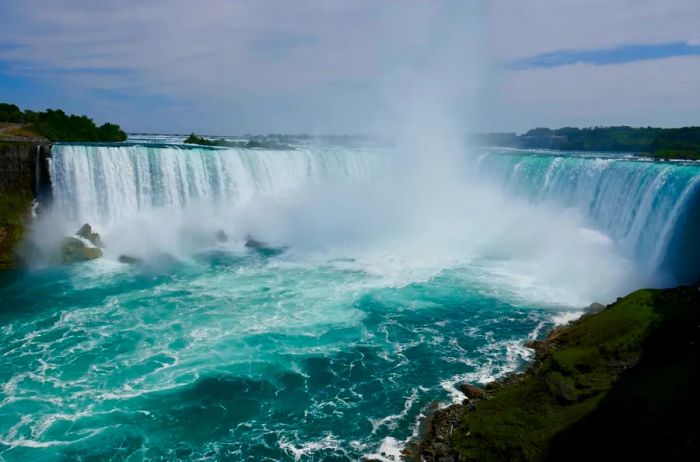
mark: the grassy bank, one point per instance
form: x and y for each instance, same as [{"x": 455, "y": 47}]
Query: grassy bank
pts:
[{"x": 621, "y": 383}]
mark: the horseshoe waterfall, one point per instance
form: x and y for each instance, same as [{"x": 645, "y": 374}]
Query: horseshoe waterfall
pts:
[{"x": 251, "y": 303}]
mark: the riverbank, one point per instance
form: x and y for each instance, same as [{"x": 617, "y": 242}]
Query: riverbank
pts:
[{"x": 620, "y": 383}]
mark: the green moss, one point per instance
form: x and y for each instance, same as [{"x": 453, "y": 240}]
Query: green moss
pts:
[
  {"x": 14, "y": 209},
  {"x": 588, "y": 367}
]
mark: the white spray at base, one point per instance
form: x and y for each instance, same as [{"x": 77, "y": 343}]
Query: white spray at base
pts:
[
  {"x": 404, "y": 214},
  {"x": 370, "y": 207}
]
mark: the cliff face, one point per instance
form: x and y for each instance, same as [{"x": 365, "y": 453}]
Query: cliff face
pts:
[{"x": 24, "y": 176}]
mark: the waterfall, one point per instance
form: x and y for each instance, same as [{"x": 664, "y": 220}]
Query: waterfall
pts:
[
  {"x": 644, "y": 206},
  {"x": 102, "y": 184}
]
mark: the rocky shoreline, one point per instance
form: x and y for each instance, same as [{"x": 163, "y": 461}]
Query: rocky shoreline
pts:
[{"x": 617, "y": 383}]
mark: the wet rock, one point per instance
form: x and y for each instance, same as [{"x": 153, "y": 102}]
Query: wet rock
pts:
[
  {"x": 251, "y": 243},
  {"x": 436, "y": 446},
  {"x": 566, "y": 393},
  {"x": 74, "y": 249},
  {"x": 491, "y": 386},
  {"x": 541, "y": 347},
  {"x": 86, "y": 232},
  {"x": 473, "y": 392},
  {"x": 126, "y": 259},
  {"x": 221, "y": 236}
]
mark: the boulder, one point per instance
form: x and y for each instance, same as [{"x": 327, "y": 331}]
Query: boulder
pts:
[
  {"x": 437, "y": 443},
  {"x": 251, "y": 243},
  {"x": 565, "y": 392},
  {"x": 74, "y": 249},
  {"x": 126, "y": 259},
  {"x": 221, "y": 236},
  {"x": 86, "y": 232},
  {"x": 541, "y": 347},
  {"x": 473, "y": 392}
]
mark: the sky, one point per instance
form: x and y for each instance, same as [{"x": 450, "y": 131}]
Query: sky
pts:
[{"x": 340, "y": 66}]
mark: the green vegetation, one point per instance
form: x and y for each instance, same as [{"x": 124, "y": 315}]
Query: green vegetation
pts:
[
  {"x": 678, "y": 143},
  {"x": 14, "y": 209},
  {"x": 261, "y": 142},
  {"x": 56, "y": 125},
  {"x": 194, "y": 139},
  {"x": 619, "y": 384},
  {"x": 9, "y": 113}
]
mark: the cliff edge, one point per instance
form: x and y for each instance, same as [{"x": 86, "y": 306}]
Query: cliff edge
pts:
[{"x": 619, "y": 384}]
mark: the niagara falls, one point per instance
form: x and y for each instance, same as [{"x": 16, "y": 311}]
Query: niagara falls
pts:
[{"x": 340, "y": 231}]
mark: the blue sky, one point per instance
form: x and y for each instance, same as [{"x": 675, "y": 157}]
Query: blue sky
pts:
[
  {"x": 618, "y": 55},
  {"x": 332, "y": 66}
]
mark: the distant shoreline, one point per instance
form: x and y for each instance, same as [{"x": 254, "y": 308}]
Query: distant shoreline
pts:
[{"x": 658, "y": 143}]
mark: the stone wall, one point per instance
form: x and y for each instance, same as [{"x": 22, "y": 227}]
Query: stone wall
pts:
[{"x": 17, "y": 168}]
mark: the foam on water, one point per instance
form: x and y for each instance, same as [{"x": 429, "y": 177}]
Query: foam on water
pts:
[
  {"x": 638, "y": 204},
  {"x": 382, "y": 293},
  {"x": 294, "y": 362}
]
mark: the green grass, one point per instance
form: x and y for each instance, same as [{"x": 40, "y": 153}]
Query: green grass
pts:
[
  {"x": 24, "y": 131},
  {"x": 629, "y": 351}
]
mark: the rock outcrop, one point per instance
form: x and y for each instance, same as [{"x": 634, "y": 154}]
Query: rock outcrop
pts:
[
  {"x": 86, "y": 232},
  {"x": 473, "y": 392},
  {"x": 128, "y": 260},
  {"x": 251, "y": 243},
  {"x": 221, "y": 236},
  {"x": 74, "y": 249},
  {"x": 85, "y": 245}
]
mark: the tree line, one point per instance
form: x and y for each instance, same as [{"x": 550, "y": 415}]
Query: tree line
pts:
[
  {"x": 658, "y": 142},
  {"x": 56, "y": 125}
]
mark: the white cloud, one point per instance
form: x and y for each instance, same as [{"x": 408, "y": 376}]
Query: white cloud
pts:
[
  {"x": 266, "y": 65},
  {"x": 663, "y": 92},
  {"x": 305, "y": 61},
  {"x": 694, "y": 42},
  {"x": 520, "y": 29}
]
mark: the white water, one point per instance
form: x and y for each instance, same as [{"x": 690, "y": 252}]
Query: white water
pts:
[
  {"x": 396, "y": 283},
  {"x": 102, "y": 185},
  {"x": 640, "y": 205},
  {"x": 542, "y": 228}
]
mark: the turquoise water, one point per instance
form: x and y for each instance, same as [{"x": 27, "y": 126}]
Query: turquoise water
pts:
[
  {"x": 237, "y": 354},
  {"x": 331, "y": 343}
]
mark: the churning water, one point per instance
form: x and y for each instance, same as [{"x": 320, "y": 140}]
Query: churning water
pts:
[{"x": 381, "y": 288}]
